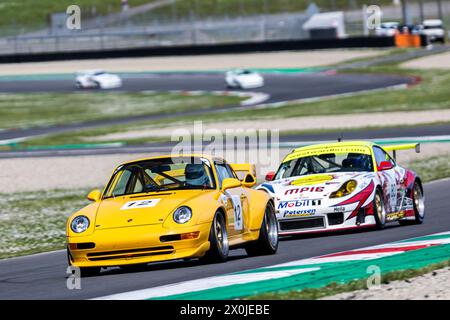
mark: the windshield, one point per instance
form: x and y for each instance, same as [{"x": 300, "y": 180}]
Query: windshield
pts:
[
  {"x": 99, "y": 73},
  {"x": 325, "y": 163},
  {"x": 161, "y": 175}
]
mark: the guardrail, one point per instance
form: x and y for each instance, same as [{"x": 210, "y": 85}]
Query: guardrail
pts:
[{"x": 310, "y": 44}]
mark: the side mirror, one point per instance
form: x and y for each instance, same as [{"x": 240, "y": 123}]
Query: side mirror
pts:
[
  {"x": 270, "y": 175},
  {"x": 94, "y": 195},
  {"x": 249, "y": 181},
  {"x": 230, "y": 183},
  {"x": 385, "y": 165}
]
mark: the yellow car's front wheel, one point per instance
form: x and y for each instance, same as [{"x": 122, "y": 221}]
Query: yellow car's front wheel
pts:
[
  {"x": 218, "y": 239},
  {"x": 267, "y": 242}
]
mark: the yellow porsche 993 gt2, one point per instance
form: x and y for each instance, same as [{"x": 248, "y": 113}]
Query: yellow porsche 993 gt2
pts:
[{"x": 166, "y": 208}]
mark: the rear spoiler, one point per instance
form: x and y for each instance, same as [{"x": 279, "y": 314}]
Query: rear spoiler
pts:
[
  {"x": 242, "y": 169},
  {"x": 397, "y": 147}
]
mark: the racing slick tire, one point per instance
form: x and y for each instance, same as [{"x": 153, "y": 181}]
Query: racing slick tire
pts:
[
  {"x": 379, "y": 210},
  {"x": 418, "y": 204},
  {"x": 267, "y": 242},
  {"x": 218, "y": 239}
]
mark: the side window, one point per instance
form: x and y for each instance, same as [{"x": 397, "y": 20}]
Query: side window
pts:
[
  {"x": 121, "y": 185},
  {"x": 223, "y": 172},
  {"x": 381, "y": 155}
]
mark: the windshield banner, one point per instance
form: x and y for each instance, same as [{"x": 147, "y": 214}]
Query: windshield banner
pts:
[{"x": 324, "y": 150}]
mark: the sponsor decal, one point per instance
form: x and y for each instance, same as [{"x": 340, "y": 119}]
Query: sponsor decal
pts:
[
  {"x": 395, "y": 215},
  {"x": 358, "y": 198},
  {"x": 237, "y": 206},
  {"x": 304, "y": 189},
  {"x": 308, "y": 180},
  {"x": 138, "y": 204},
  {"x": 318, "y": 151},
  {"x": 298, "y": 203},
  {"x": 299, "y": 213},
  {"x": 339, "y": 209}
]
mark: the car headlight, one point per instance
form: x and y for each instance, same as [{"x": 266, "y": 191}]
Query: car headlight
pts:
[
  {"x": 345, "y": 189},
  {"x": 182, "y": 215},
  {"x": 79, "y": 224}
]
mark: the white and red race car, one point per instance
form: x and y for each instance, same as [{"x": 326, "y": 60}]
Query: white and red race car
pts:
[{"x": 344, "y": 185}]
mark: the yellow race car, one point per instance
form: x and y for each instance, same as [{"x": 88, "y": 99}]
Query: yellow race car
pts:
[{"x": 166, "y": 208}]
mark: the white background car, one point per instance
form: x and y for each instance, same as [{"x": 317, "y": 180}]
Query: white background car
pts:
[
  {"x": 434, "y": 29},
  {"x": 97, "y": 79},
  {"x": 387, "y": 29},
  {"x": 244, "y": 79}
]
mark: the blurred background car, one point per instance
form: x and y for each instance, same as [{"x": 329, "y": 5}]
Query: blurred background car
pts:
[
  {"x": 387, "y": 29},
  {"x": 97, "y": 79},
  {"x": 434, "y": 30},
  {"x": 243, "y": 79}
]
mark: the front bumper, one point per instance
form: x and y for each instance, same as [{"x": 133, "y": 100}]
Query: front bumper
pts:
[
  {"x": 134, "y": 245},
  {"x": 325, "y": 221}
]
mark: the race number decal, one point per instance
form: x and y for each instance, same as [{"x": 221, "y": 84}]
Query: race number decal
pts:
[
  {"x": 237, "y": 207},
  {"x": 140, "y": 204}
]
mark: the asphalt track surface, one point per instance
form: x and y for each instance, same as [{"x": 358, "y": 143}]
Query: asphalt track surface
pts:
[
  {"x": 43, "y": 276},
  {"x": 280, "y": 87}
]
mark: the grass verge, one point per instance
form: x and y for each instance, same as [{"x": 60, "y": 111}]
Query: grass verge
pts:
[
  {"x": 32, "y": 222},
  {"x": 336, "y": 288},
  {"x": 431, "y": 94},
  {"x": 45, "y": 109}
]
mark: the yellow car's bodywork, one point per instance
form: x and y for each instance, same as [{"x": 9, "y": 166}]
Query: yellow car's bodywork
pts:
[{"x": 118, "y": 237}]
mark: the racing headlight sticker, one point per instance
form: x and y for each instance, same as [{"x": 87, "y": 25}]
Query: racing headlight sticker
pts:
[{"x": 346, "y": 189}]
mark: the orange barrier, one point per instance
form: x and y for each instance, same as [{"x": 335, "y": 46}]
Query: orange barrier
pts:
[{"x": 406, "y": 40}]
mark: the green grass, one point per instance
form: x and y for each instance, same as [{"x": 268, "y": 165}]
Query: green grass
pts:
[
  {"x": 336, "y": 288},
  {"x": 219, "y": 8},
  {"x": 27, "y": 15},
  {"x": 431, "y": 94},
  {"x": 30, "y": 110},
  {"x": 32, "y": 222},
  {"x": 433, "y": 168}
]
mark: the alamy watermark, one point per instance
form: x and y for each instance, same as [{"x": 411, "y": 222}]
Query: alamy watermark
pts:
[
  {"x": 373, "y": 14},
  {"x": 374, "y": 280},
  {"x": 73, "y": 281},
  {"x": 73, "y": 21},
  {"x": 238, "y": 145}
]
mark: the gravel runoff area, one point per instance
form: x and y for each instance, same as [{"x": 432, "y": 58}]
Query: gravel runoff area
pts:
[
  {"x": 285, "y": 59},
  {"x": 437, "y": 61},
  {"x": 347, "y": 121},
  {"x": 431, "y": 286},
  {"x": 45, "y": 174}
]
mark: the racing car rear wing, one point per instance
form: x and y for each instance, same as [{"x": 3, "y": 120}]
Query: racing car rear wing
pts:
[
  {"x": 397, "y": 147},
  {"x": 242, "y": 169}
]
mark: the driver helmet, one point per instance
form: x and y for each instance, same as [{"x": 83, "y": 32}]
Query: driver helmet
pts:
[
  {"x": 196, "y": 175},
  {"x": 359, "y": 161}
]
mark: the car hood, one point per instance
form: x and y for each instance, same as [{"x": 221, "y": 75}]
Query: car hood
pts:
[
  {"x": 315, "y": 186},
  {"x": 154, "y": 208}
]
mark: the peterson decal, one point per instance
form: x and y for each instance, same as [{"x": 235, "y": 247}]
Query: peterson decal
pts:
[{"x": 299, "y": 213}]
